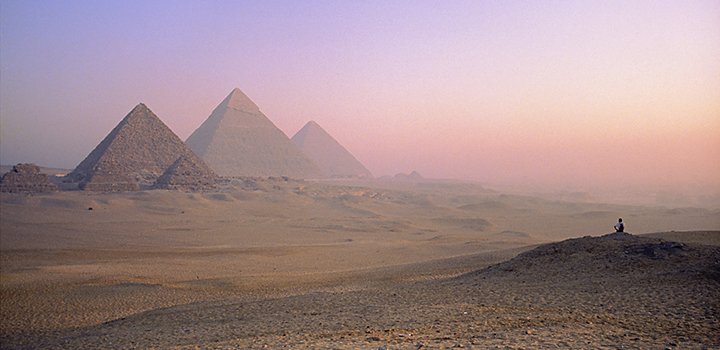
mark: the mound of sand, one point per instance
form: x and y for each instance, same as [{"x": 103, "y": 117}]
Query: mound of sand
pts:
[{"x": 617, "y": 256}]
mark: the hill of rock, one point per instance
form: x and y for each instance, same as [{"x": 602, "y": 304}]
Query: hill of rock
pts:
[{"x": 615, "y": 256}]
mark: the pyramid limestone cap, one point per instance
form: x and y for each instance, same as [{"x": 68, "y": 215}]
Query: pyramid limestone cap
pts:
[{"x": 238, "y": 100}]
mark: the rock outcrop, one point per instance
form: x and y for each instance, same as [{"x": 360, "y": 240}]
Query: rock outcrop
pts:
[{"x": 26, "y": 178}]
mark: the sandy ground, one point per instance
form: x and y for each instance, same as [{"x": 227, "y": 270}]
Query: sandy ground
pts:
[{"x": 325, "y": 265}]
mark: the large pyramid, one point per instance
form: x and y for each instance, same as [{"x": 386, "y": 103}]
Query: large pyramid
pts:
[
  {"x": 133, "y": 155},
  {"x": 239, "y": 140},
  {"x": 332, "y": 158}
]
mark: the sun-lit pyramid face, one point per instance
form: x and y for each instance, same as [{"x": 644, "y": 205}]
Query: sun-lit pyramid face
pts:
[
  {"x": 332, "y": 158},
  {"x": 237, "y": 139},
  {"x": 133, "y": 155}
]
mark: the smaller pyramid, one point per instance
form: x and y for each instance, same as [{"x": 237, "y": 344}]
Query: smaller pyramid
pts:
[
  {"x": 413, "y": 176},
  {"x": 186, "y": 174},
  {"x": 332, "y": 158},
  {"x": 132, "y": 156},
  {"x": 26, "y": 178}
]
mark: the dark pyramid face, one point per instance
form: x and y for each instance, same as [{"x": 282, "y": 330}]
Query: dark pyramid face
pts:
[
  {"x": 239, "y": 140},
  {"x": 133, "y": 155},
  {"x": 332, "y": 158}
]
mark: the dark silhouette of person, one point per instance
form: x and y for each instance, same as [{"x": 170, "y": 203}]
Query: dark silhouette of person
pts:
[{"x": 619, "y": 227}]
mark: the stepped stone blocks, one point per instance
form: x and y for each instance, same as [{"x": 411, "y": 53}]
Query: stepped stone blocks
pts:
[
  {"x": 133, "y": 155},
  {"x": 26, "y": 178},
  {"x": 187, "y": 175}
]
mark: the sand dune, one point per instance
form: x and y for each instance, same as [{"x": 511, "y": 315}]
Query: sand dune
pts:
[{"x": 349, "y": 265}]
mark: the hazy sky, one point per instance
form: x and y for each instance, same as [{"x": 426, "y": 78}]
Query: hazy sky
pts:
[{"x": 563, "y": 94}]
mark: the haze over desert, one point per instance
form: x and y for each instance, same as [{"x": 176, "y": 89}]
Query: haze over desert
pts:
[{"x": 359, "y": 175}]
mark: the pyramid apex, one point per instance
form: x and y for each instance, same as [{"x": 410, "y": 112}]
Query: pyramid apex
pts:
[
  {"x": 140, "y": 111},
  {"x": 139, "y": 107},
  {"x": 334, "y": 159},
  {"x": 238, "y": 100},
  {"x": 313, "y": 124}
]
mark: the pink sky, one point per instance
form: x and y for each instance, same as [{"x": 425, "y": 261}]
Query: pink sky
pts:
[{"x": 560, "y": 95}]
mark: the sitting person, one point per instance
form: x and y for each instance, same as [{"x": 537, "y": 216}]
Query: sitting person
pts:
[{"x": 620, "y": 227}]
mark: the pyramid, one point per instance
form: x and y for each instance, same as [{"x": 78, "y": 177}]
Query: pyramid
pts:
[
  {"x": 332, "y": 158},
  {"x": 132, "y": 156},
  {"x": 237, "y": 139},
  {"x": 413, "y": 176},
  {"x": 187, "y": 174}
]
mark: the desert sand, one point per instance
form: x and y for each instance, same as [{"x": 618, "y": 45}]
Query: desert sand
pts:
[{"x": 273, "y": 263}]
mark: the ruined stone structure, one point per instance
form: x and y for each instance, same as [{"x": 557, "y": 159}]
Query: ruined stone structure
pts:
[{"x": 26, "y": 178}]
